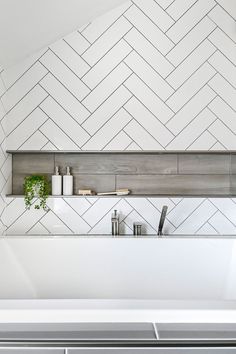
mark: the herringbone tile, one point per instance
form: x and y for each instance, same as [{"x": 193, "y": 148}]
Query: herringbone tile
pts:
[{"x": 169, "y": 64}]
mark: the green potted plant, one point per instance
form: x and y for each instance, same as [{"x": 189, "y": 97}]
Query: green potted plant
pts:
[{"x": 36, "y": 186}]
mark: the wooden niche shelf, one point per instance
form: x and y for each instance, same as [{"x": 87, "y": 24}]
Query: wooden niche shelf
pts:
[{"x": 146, "y": 174}]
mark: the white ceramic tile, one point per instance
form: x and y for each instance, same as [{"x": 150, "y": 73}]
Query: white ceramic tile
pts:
[
  {"x": 38, "y": 229},
  {"x": 149, "y": 29},
  {"x": 207, "y": 229},
  {"x": 224, "y": 67},
  {"x": 149, "y": 75},
  {"x": 224, "y": 44},
  {"x": 108, "y": 131},
  {"x": 65, "y": 98},
  {"x": 134, "y": 216},
  {"x": 26, "y": 129},
  {"x": 164, "y": 3},
  {"x": 190, "y": 19},
  {"x": 229, "y": 6},
  {"x": 28, "y": 219},
  {"x": 11, "y": 74},
  {"x": 54, "y": 225},
  {"x": 68, "y": 216},
  {"x": 112, "y": 104},
  {"x": 99, "y": 48},
  {"x": 178, "y": 7},
  {"x": 222, "y": 224},
  {"x": 223, "y": 134},
  {"x": 190, "y": 64},
  {"x": 148, "y": 52},
  {"x": 155, "y": 13},
  {"x": 143, "y": 139},
  {"x": 204, "y": 142},
  {"x": 149, "y": 121},
  {"x": 64, "y": 75},
  {"x": 57, "y": 136},
  {"x": 107, "y": 64},
  {"x": 148, "y": 98},
  {"x": 133, "y": 147},
  {"x": 190, "y": 87},
  {"x": 24, "y": 108},
  {"x": 107, "y": 87},
  {"x": 74, "y": 61},
  {"x": 223, "y": 111},
  {"x": 226, "y": 206},
  {"x": 49, "y": 146},
  {"x": 60, "y": 116},
  {"x": 190, "y": 110},
  {"x": 23, "y": 85},
  {"x": 224, "y": 21},
  {"x": 196, "y": 219},
  {"x": 36, "y": 142},
  {"x": 190, "y": 41},
  {"x": 80, "y": 205},
  {"x": 120, "y": 142},
  {"x": 182, "y": 211},
  {"x": 77, "y": 42},
  {"x": 100, "y": 208},
  {"x": 160, "y": 202},
  {"x": 97, "y": 27},
  {"x": 224, "y": 89},
  {"x": 14, "y": 210}
]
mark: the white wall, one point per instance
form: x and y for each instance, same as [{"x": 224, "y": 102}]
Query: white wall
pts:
[{"x": 150, "y": 75}]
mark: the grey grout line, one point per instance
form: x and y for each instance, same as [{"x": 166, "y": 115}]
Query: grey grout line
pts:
[
  {"x": 102, "y": 104},
  {"x": 190, "y": 77},
  {"x": 220, "y": 211},
  {"x": 205, "y": 37},
  {"x": 199, "y": 205},
  {"x": 207, "y": 222},
  {"x": 34, "y": 109},
  {"x": 190, "y": 121},
  {"x": 133, "y": 141},
  {"x": 134, "y": 96},
  {"x": 37, "y": 60},
  {"x": 217, "y": 94},
  {"x": 118, "y": 131},
  {"x": 26, "y": 94},
  {"x": 134, "y": 50},
  {"x": 222, "y": 123},
  {"x": 60, "y": 128},
  {"x": 107, "y": 29},
  {"x": 65, "y": 200},
  {"x": 225, "y": 10},
  {"x": 79, "y": 55},
  {"x": 70, "y": 69},
  {"x": 222, "y": 75},
  {"x": 105, "y": 77},
  {"x": 19, "y": 147},
  {"x": 56, "y": 78},
  {"x": 218, "y": 50},
  {"x": 167, "y": 37},
  {"x": 143, "y": 128},
  {"x": 54, "y": 99},
  {"x": 103, "y": 56},
  {"x": 221, "y": 29}
]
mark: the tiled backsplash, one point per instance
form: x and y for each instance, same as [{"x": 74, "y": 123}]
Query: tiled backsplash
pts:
[{"x": 186, "y": 216}]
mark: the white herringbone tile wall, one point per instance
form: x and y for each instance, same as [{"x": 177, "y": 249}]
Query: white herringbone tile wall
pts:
[
  {"x": 68, "y": 215},
  {"x": 149, "y": 75}
]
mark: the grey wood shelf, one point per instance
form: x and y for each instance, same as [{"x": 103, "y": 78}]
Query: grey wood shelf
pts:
[
  {"x": 135, "y": 196},
  {"x": 126, "y": 152}
]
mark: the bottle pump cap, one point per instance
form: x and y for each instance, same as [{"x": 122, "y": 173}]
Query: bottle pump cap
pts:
[
  {"x": 68, "y": 171},
  {"x": 57, "y": 171}
]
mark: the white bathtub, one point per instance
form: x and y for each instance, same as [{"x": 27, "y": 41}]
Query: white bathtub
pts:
[{"x": 117, "y": 279}]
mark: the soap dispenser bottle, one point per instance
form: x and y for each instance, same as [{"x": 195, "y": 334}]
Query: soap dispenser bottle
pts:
[
  {"x": 57, "y": 182},
  {"x": 68, "y": 182}
]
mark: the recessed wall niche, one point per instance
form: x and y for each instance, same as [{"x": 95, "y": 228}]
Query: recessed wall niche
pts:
[{"x": 144, "y": 173}]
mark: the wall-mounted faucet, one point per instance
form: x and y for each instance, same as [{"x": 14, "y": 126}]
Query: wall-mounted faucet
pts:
[
  {"x": 115, "y": 223},
  {"x": 162, "y": 220}
]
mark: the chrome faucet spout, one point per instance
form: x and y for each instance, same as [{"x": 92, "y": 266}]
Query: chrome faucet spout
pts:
[{"x": 162, "y": 220}]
